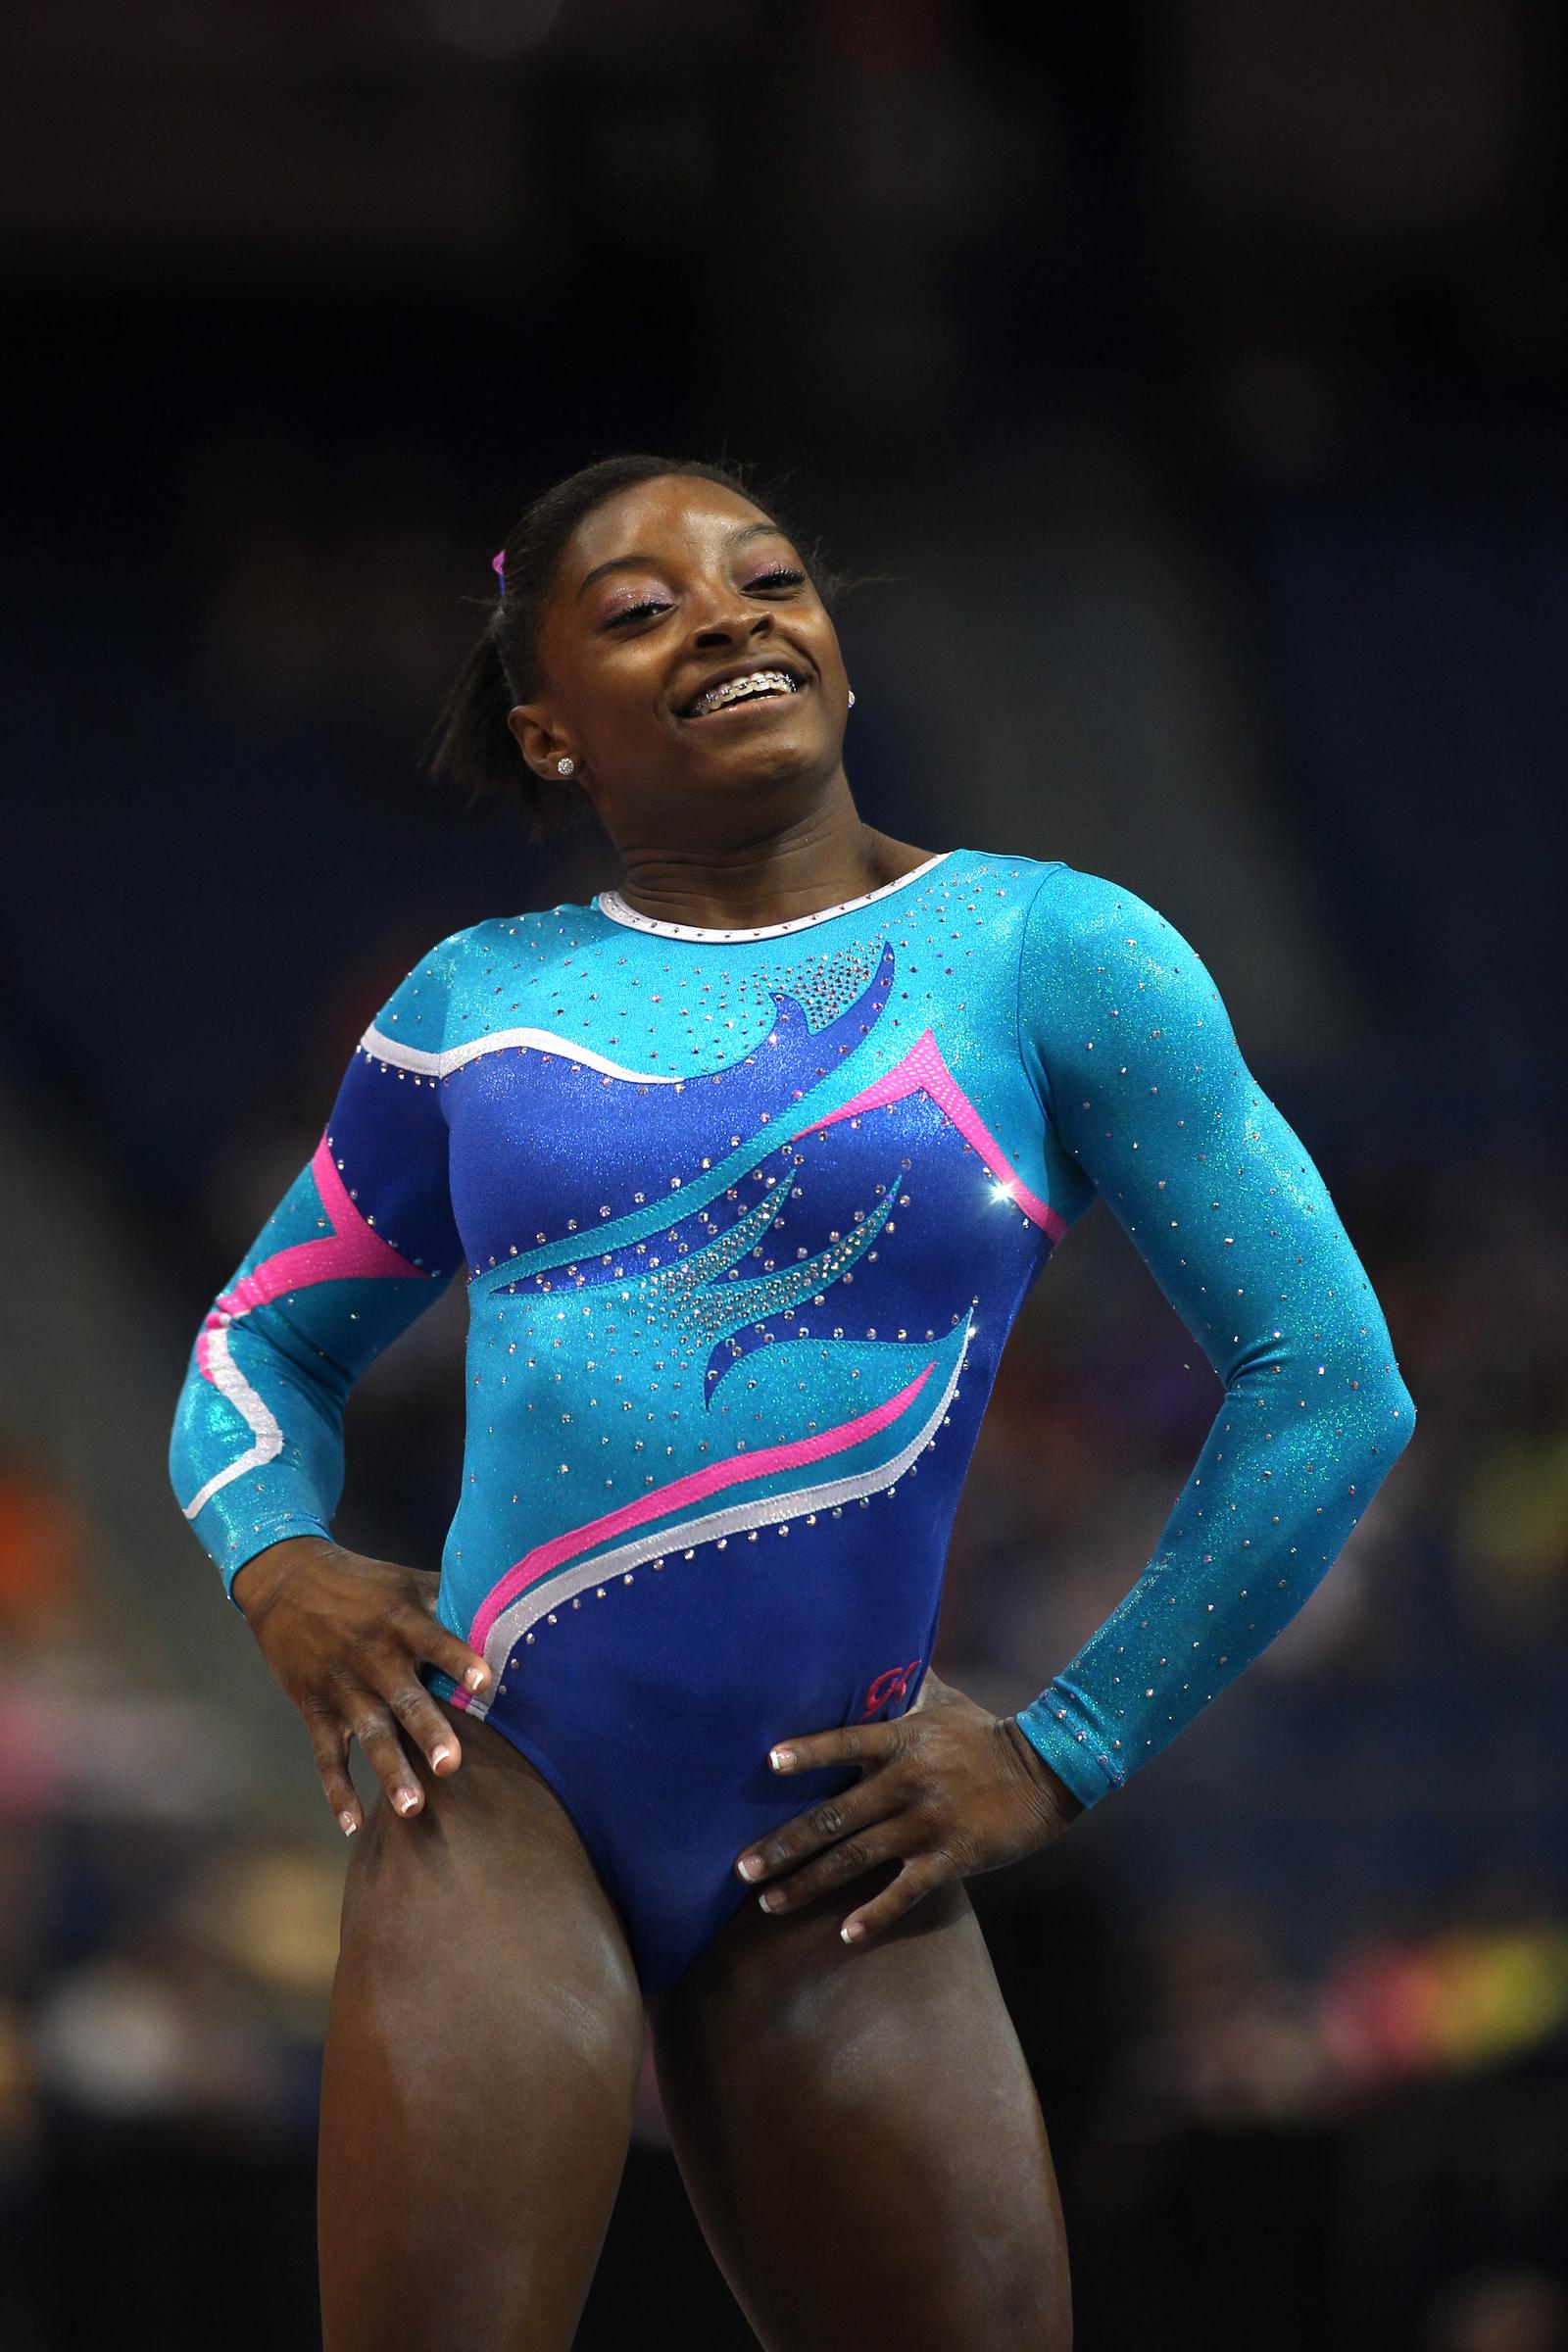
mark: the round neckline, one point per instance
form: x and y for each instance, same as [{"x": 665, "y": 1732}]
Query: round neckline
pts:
[{"x": 610, "y": 902}]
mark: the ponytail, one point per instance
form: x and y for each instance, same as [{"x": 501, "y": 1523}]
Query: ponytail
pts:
[{"x": 471, "y": 745}]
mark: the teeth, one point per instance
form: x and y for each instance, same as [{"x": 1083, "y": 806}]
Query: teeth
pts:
[{"x": 735, "y": 690}]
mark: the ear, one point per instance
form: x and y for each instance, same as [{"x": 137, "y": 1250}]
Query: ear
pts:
[{"x": 541, "y": 743}]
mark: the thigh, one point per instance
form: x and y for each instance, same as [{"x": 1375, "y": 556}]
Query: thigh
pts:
[
  {"x": 859, "y": 2134},
  {"x": 481, "y": 2065}
]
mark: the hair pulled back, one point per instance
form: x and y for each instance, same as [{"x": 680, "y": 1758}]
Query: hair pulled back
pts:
[{"x": 471, "y": 743}]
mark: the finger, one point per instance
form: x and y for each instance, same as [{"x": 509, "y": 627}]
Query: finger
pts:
[
  {"x": 419, "y": 1714},
  {"x": 810, "y": 1831},
  {"x": 855, "y": 1744},
  {"x": 915, "y": 1880},
  {"x": 329, "y": 1739},
  {"x": 370, "y": 1723},
  {"x": 830, "y": 1870},
  {"x": 428, "y": 1637}
]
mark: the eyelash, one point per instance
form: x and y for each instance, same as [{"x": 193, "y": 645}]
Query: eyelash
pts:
[{"x": 783, "y": 576}]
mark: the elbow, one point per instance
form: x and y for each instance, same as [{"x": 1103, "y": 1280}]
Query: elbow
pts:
[
  {"x": 1347, "y": 1392},
  {"x": 1394, "y": 1420},
  {"x": 1404, "y": 1416},
  {"x": 1388, "y": 1423},
  {"x": 1363, "y": 1447}
]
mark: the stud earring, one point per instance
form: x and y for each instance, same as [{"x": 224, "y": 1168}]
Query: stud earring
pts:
[
  {"x": 851, "y": 697},
  {"x": 565, "y": 767}
]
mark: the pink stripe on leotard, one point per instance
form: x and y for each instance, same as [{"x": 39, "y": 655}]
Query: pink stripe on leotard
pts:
[
  {"x": 693, "y": 1488},
  {"x": 351, "y": 1249},
  {"x": 923, "y": 1066}
]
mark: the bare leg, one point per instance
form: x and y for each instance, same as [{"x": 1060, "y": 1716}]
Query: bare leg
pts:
[
  {"x": 481, "y": 2065},
  {"x": 859, "y": 2134}
]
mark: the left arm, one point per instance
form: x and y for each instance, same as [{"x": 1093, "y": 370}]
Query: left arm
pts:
[
  {"x": 1138, "y": 1067},
  {"x": 1145, "y": 1082}
]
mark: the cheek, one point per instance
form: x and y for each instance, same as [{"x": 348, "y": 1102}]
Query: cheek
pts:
[
  {"x": 825, "y": 651},
  {"x": 619, "y": 700}
]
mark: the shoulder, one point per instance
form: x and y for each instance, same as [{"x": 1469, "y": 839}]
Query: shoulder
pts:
[
  {"x": 453, "y": 991},
  {"x": 988, "y": 895},
  {"x": 1096, "y": 953},
  {"x": 1066, "y": 902},
  {"x": 1072, "y": 901},
  {"x": 995, "y": 881},
  {"x": 416, "y": 1016},
  {"x": 1081, "y": 916},
  {"x": 1063, "y": 914}
]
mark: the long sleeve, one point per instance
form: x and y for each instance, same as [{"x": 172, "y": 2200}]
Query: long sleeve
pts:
[
  {"x": 1138, "y": 1067},
  {"x": 360, "y": 1244}
]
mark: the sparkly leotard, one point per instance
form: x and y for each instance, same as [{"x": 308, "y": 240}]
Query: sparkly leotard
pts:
[{"x": 744, "y": 1219}]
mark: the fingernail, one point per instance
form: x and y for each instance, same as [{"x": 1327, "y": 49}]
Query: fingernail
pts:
[
  {"x": 781, "y": 1758},
  {"x": 852, "y": 1930},
  {"x": 347, "y": 1824},
  {"x": 770, "y": 1900},
  {"x": 751, "y": 1866},
  {"x": 478, "y": 1676},
  {"x": 439, "y": 1755},
  {"x": 405, "y": 1799}
]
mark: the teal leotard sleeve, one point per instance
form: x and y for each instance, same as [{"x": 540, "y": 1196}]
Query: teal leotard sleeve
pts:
[
  {"x": 333, "y": 1277},
  {"x": 1138, "y": 1067}
]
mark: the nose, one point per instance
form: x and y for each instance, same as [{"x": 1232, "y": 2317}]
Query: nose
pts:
[{"x": 728, "y": 621}]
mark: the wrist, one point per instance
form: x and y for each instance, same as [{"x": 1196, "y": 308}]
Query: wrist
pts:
[
  {"x": 257, "y": 1585},
  {"x": 1064, "y": 1801}
]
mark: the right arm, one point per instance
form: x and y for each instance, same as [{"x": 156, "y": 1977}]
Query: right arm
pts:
[{"x": 363, "y": 1241}]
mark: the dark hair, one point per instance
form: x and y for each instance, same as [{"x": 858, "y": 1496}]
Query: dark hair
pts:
[{"x": 471, "y": 743}]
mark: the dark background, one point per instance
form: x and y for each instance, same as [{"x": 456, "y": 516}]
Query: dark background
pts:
[{"x": 1186, "y": 382}]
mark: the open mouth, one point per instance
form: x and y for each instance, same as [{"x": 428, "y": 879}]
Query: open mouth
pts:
[{"x": 740, "y": 692}]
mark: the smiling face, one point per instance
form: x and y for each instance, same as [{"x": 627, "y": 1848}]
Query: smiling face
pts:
[{"x": 687, "y": 665}]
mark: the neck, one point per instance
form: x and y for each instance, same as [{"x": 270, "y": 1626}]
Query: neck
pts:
[{"x": 818, "y": 860}]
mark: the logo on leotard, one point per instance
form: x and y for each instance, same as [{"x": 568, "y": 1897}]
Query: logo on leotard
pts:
[{"x": 892, "y": 1682}]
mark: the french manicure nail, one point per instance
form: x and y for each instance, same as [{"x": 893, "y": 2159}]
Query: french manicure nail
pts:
[
  {"x": 439, "y": 1755},
  {"x": 750, "y": 1868},
  {"x": 781, "y": 1758},
  {"x": 476, "y": 1677},
  {"x": 769, "y": 1900},
  {"x": 405, "y": 1799},
  {"x": 348, "y": 1824},
  {"x": 852, "y": 1932}
]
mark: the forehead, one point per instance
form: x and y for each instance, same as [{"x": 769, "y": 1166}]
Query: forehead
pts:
[{"x": 675, "y": 515}]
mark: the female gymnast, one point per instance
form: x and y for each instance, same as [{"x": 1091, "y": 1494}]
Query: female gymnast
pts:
[{"x": 747, "y": 1167}]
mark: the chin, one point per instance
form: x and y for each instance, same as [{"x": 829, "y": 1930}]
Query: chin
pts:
[{"x": 782, "y": 760}]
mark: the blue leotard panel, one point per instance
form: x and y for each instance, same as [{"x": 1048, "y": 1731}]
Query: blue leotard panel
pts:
[{"x": 745, "y": 1219}]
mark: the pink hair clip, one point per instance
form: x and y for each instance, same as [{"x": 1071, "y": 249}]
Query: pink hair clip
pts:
[{"x": 498, "y": 565}]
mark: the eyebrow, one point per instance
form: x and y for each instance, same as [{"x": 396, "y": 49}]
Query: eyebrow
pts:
[{"x": 640, "y": 562}]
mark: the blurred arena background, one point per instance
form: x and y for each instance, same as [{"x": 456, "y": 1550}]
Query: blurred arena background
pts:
[{"x": 1184, "y": 381}]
